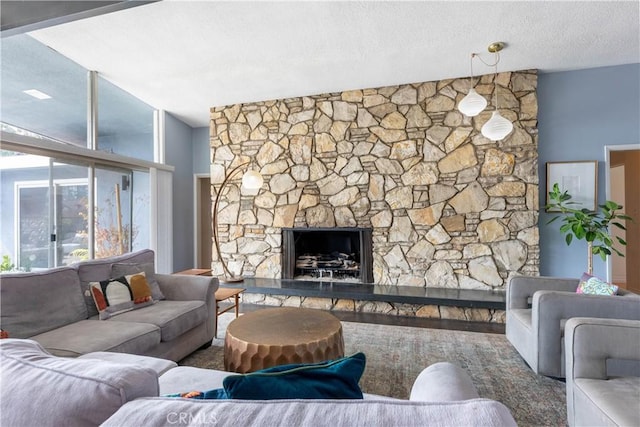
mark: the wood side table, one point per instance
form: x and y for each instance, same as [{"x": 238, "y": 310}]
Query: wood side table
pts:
[
  {"x": 280, "y": 336},
  {"x": 196, "y": 272},
  {"x": 223, "y": 294}
]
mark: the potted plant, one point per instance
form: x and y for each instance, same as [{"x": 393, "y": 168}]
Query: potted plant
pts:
[{"x": 584, "y": 224}]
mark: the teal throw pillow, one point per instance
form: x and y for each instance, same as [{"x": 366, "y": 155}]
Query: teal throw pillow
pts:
[{"x": 335, "y": 379}]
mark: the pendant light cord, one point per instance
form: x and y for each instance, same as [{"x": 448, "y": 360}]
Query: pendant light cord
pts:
[
  {"x": 495, "y": 78},
  {"x": 495, "y": 85},
  {"x": 497, "y": 54},
  {"x": 471, "y": 86}
]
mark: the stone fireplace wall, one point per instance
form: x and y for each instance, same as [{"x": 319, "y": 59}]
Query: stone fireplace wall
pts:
[{"x": 448, "y": 207}]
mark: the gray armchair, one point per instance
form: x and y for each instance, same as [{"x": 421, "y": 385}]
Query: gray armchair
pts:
[
  {"x": 538, "y": 308},
  {"x": 603, "y": 372}
]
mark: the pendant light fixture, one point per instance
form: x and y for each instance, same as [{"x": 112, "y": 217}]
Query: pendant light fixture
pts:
[
  {"x": 497, "y": 127},
  {"x": 474, "y": 103}
]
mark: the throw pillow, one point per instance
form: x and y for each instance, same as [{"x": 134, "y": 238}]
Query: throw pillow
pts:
[
  {"x": 335, "y": 379},
  {"x": 121, "y": 294},
  {"x": 122, "y": 269},
  {"x": 592, "y": 285},
  {"x": 217, "y": 393}
]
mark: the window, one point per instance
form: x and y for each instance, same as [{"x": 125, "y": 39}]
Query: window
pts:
[
  {"x": 125, "y": 124},
  {"x": 44, "y": 95},
  {"x": 46, "y": 206},
  {"x": 61, "y": 200},
  {"x": 58, "y": 110}
]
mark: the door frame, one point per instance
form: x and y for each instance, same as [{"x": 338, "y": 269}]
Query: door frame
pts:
[
  {"x": 197, "y": 206},
  {"x": 607, "y": 163}
]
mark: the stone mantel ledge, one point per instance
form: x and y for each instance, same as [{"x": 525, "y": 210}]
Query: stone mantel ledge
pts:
[{"x": 435, "y": 303}]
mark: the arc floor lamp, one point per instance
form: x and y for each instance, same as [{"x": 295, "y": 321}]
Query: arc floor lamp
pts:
[{"x": 251, "y": 180}]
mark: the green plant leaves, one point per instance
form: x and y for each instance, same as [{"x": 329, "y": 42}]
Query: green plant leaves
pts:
[
  {"x": 584, "y": 224},
  {"x": 6, "y": 264},
  {"x": 611, "y": 205}
]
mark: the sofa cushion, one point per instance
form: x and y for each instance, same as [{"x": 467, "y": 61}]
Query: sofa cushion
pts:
[
  {"x": 97, "y": 270},
  {"x": 184, "y": 378},
  {"x": 33, "y": 303},
  {"x": 124, "y": 268},
  {"x": 120, "y": 294},
  {"x": 523, "y": 315},
  {"x": 160, "y": 366},
  {"x": 39, "y": 389},
  {"x": 159, "y": 411},
  {"x": 172, "y": 317},
  {"x": 607, "y": 402},
  {"x": 519, "y": 332},
  {"x": 91, "y": 335}
]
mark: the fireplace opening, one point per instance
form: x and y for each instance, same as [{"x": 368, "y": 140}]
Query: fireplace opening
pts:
[{"x": 334, "y": 254}]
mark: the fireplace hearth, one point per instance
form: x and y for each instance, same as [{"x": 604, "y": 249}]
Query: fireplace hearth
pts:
[{"x": 334, "y": 254}]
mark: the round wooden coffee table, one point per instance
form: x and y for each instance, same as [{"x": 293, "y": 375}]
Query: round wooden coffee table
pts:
[{"x": 279, "y": 336}]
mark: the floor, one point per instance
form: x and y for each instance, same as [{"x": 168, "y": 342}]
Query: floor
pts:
[{"x": 417, "y": 322}]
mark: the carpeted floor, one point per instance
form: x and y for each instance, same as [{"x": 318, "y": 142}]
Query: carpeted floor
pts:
[{"x": 397, "y": 354}]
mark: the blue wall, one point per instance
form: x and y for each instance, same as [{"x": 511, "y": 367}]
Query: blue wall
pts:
[
  {"x": 579, "y": 113},
  {"x": 178, "y": 154},
  {"x": 201, "y": 150}
]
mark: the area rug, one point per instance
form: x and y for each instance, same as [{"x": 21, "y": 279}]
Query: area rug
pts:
[{"x": 397, "y": 354}]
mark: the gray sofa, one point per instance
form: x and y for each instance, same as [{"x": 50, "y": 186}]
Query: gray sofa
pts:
[
  {"x": 603, "y": 372},
  {"x": 537, "y": 309},
  {"x": 123, "y": 390},
  {"x": 56, "y": 309}
]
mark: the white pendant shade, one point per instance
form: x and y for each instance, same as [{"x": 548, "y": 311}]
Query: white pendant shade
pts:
[
  {"x": 472, "y": 104},
  {"x": 252, "y": 180},
  {"x": 497, "y": 127}
]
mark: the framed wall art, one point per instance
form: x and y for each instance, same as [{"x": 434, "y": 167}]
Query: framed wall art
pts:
[{"x": 580, "y": 179}]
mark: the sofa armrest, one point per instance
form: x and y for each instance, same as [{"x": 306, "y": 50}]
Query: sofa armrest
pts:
[
  {"x": 178, "y": 287},
  {"x": 550, "y": 308},
  {"x": 522, "y": 288},
  {"x": 443, "y": 382},
  {"x": 591, "y": 342},
  {"x": 39, "y": 389}
]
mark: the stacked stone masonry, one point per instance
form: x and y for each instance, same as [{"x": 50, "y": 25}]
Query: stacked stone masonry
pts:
[{"x": 448, "y": 207}]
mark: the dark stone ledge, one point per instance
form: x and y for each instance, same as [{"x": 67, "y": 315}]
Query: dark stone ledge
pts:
[{"x": 472, "y": 298}]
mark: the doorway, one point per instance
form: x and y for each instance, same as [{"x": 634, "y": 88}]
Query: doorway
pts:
[
  {"x": 49, "y": 216},
  {"x": 51, "y": 222},
  {"x": 623, "y": 176}
]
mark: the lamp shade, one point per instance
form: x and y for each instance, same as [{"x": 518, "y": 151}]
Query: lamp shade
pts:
[
  {"x": 252, "y": 180},
  {"x": 497, "y": 127},
  {"x": 472, "y": 104}
]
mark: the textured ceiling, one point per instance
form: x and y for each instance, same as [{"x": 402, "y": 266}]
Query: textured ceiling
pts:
[{"x": 187, "y": 56}]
